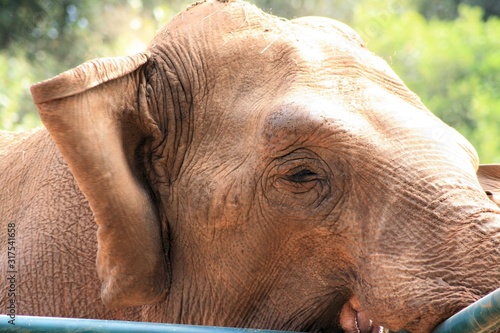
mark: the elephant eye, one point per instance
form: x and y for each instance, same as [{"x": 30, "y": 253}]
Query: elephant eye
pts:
[
  {"x": 300, "y": 180},
  {"x": 302, "y": 176}
]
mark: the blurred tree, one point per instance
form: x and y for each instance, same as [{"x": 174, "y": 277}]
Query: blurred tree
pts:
[
  {"x": 47, "y": 27},
  {"x": 337, "y": 9},
  {"x": 42, "y": 38},
  {"x": 452, "y": 65},
  {"x": 448, "y": 9}
]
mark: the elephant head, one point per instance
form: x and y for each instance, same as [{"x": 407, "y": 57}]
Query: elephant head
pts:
[{"x": 251, "y": 171}]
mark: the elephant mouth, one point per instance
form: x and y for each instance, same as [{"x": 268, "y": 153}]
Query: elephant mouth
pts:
[{"x": 354, "y": 320}]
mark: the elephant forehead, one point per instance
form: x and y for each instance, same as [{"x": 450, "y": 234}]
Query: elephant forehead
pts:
[
  {"x": 236, "y": 30},
  {"x": 313, "y": 120},
  {"x": 369, "y": 120},
  {"x": 237, "y": 42}
]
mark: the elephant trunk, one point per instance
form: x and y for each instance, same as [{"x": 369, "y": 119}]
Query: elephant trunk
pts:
[{"x": 441, "y": 257}]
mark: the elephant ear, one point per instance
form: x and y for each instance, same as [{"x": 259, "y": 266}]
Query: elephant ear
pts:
[
  {"x": 489, "y": 178},
  {"x": 92, "y": 113}
]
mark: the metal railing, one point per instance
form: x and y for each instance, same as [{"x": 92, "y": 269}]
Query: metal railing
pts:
[{"x": 481, "y": 317}]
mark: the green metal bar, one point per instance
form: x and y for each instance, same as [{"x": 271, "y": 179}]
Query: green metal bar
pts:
[
  {"x": 480, "y": 317},
  {"x": 25, "y": 324}
]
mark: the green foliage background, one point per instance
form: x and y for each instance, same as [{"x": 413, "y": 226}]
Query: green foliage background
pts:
[{"x": 447, "y": 51}]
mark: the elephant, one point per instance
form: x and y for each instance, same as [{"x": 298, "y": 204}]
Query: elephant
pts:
[{"x": 245, "y": 171}]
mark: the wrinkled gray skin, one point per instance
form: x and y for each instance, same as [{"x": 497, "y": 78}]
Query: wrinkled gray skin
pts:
[{"x": 245, "y": 171}]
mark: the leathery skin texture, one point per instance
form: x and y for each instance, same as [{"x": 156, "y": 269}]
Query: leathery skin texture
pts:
[{"x": 245, "y": 171}]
